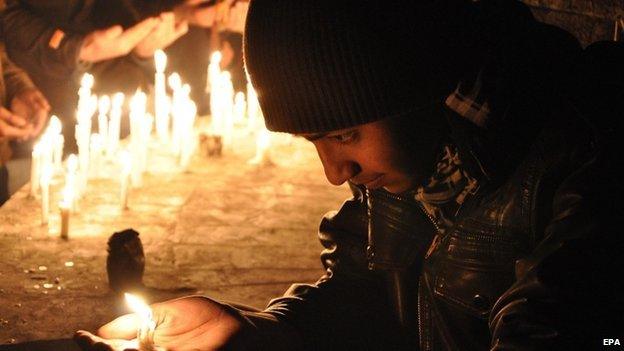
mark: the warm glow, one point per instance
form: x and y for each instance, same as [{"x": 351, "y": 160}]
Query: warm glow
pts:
[
  {"x": 175, "y": 82},
  {"x": 239, "y": 99},
  {"x": 72, "y": 163},
  {"x": 160, "y": 61},
  {"x": 215, "y": 58},
  {"x": 125, "y": 159},
  {"x": 55, "y": 126},
  {"x": 68, "y": 197},
  {"x": 264, "y": 139},
  {"x": 138, "y": 101},
  {"x": 104, "y": 104},
  {"x": 118, "y": 99},
  {"x": 138, "y": 306},
  {"x": 46, "y": 174},
  {"x": 87, "y": 81}
]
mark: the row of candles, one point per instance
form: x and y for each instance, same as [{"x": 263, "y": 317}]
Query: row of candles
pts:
[{"x": 173, "y": 122}]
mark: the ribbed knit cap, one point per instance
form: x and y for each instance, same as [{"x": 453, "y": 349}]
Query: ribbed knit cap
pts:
[{"x": 323, "y": 65}]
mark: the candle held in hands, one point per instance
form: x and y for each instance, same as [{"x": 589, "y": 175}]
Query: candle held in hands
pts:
[{"x": 145, "y": 330}]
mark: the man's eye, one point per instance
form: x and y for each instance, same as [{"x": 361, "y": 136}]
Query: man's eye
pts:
[{"x": 344, "y": 137}]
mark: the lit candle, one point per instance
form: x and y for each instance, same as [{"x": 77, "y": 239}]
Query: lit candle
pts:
[
  {"x": 103, "y": 108},
  {"x": 125, "y": 160},
  {"x": 46, "y": 177},
  {"x": 175, "y": 82},
  {"x": 84, "y": 93},
  {"x": 114, "y": 126},
  {"x": 145, "y": 330},
  {"x": 65, "y": 207},
  {"x": 239, "y": 107},
  {"x": 227, "y": 107},
  {"x": 35, "y": 168},
  {"x": 138, "y": 144},
  {"x": 53, "y": 132},
  {"x": 71, "y": 178},
  {"x": 96, "y": 155},
  {"x": 160, "y": 96},
  {"x": 253, "y": 108},
  {"x": 187, "y": 134},
  {"x": 263, "y": 142}
]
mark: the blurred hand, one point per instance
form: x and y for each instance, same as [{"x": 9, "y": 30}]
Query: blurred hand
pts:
[
  {"x": 162, "y": 35},
  {"x": 114, "y": 41},
  {"x": 33, "y": 107},
  {"x": 13, "y": 126},
  {"x": 197, "y": 13},
  {"x": 189, "y": 323}
]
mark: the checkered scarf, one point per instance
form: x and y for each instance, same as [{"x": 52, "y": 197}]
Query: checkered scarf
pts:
[{"x": 449, "y": 186}]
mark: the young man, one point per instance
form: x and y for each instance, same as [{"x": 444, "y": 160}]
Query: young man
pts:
[{"x": 485, "y": 200}]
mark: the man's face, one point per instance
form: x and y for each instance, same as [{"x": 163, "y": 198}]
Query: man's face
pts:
[{"x": 367, "y": 154}]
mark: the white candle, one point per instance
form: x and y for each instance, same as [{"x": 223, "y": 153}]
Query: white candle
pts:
[
  {"x": 114, "y": 125},
  {"x": 187, "y": 134},
  {"x": 138, "y": 144},
  {"x": 125, "y": 160},
  {"x": 239, "y": 107},
  {"x": 227, "y": 107},
  {"x": 71, "y": 178},
  {"x": 253, "y": 108},
  {"x": 46, "y": 177},
  {"x": 145, "y": 330},
  {"x": 103, "y": 108},
  {"x": 263, "y": 143},
  {"x": 65, "y": 207},
  {"x": 160, "y": 96},
  {"x": 84, "y": 93},
  {"x": 35, "y": 169},
  {"x": 96, "y": 153}
]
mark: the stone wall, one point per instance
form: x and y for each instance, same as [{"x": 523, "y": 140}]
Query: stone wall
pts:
[{"x": 589, "y": 20}]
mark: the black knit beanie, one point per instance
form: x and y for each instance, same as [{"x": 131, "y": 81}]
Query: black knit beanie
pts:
[{"x": 323, "y": 65}]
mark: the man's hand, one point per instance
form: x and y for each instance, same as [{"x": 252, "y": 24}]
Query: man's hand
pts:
[
  {"x": 13, "y": 126},
  {"x": 162, "y": 35},
  {"x": 32, "y": 106},
  {"x": 189, "y": 323},
  {"x": 114, "y": 41}
]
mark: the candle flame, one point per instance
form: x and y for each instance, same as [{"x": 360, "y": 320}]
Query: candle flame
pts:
[
  {"x": 68, "y": 196},
  {"x": 46, "y": 174},
  {"x": 118, "y": 99},
  {"x": 72, "y": 163},
  {"x": 175, "y": 82},
  {"x": 126, "y": 162},
  {"x": 55, "y": 126},
  {"x": 160, "y": 61},
  {"x": 215, "y": 58},
  {"x": 138, "y": 306},
  {"x": 87, "y": 81},
  {"x": 104, "y": 104}
]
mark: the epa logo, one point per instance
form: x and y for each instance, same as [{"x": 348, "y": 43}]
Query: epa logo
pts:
[{"x": 611, "y": 342}]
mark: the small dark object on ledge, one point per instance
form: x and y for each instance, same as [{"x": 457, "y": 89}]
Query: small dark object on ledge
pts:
[{"x": 126, "y": 261}]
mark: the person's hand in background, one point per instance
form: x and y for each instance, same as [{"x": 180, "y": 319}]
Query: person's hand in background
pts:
[
  {"x": 114, "y": 41},
  {"x": 33, "y": 107},
  {"x": 13, "y": 126},
  {"x": 162, "y": 35}
]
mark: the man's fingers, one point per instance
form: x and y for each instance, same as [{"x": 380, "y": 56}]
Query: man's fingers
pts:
[
  {"x": 40, "y": 120},
  {"x": 113, "y": 32},
  {"x": 124, "y": 327},
  {"x": 136, "y": 33},
  {"x": 41, "y": 101},
  {"x": 181, "y": 29},
  {"x": 12, "y": 118},
  {"x": 11, "y": 132},
  {"x": 90, "y": 342}
]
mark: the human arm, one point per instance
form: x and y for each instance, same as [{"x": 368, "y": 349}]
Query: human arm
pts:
[{"x": 563, "y": 297}]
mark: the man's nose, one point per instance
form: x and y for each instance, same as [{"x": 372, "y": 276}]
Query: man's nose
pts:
[{"x": 338, "y": 169}]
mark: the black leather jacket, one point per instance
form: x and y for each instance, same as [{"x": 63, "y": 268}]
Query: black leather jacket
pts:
[
  {"x": 529, "y": 263},
  {"x": 533, "y": 257}
]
